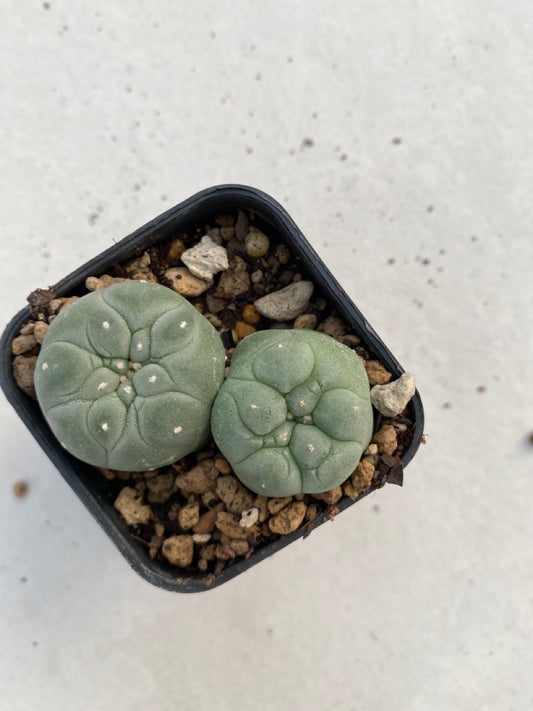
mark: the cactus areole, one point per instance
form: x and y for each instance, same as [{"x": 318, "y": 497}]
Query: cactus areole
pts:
[
  {"x": 294, "y": 414},
  {"x": 127, "y": 375}
]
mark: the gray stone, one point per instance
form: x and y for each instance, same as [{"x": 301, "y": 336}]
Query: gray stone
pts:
[
  {"x": 205, "y": 259},
  {"x": 287, "y": 303},
  {"x": 390, "y": 399}
]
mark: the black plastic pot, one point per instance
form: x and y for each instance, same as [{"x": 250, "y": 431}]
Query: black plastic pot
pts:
[{"x": 196, "y": 211}]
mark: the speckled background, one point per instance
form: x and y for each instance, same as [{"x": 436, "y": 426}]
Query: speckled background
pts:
[{"x": 400, "y": 138}]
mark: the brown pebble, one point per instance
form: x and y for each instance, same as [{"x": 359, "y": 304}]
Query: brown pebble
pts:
[
  {"x": 224, "y": 552},
  {"x": 160, "y": 488},
  {"x": 20, "y": 489},
  {"x": 351, "y": 341},
  {"x": 179, "y": 550},
  {"x": 234, "y": 280},
  {"x": 333, "y": 326},
  {"x": 276, "y": 504},
  {"x": 282, "y": 253},
  {"x": 199, "y": 479},
  {"x": 227, "y": 233},
  {"x": 23, "y": 369},
  {"x": 206, "y": 522},
  {"x": 23, "y": 344},
  {"x": 251, "y": 315},
  {"x": 288, "y": 519},
  {"x": 40, "y": 331},
  {"x": 222, "y": 465},
  {"x": 225, "y": 220},
  {"x": 189, "y": 515},
  {"x": 229, "y": 525},
  {"x": 175, "y": 250},
  {"x": 236, "y": 497},
  {"x": 129, "y": 505},
  {"x": 331, "y": 496},
  {"x": 386, "y": 440},
  {"x": 239, "y": 546},
  {"x": 377, "y": 375},
  {"x": 208, "y": 552},
  {"x": 261, "y": 503},
  {"x": 183, "y": 282},
  {"x": 28, "y": 328},
  {"x": 243, "y": 329},
  {"x": 312, "y": 512},
  {"x": 97, "y": 283},
  {"x": 307, "y": 321},
  {"x": 361, "y": 478}
]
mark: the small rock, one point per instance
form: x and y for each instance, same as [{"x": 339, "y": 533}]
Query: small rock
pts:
[
  {"x": 386, "y": 439},
  {"x": 256, "y": 243},
  {"x": 40, "y": 331},
  {"x": 23, "y": 344},
  {"x": 251, "y": 315},
  {"x": 283, "y": 254},
  {"x": 175, "y": 250},
  {"x": 213, "y": 304},
  {"x": 208, "y": 552},
  {"x": 236, "y": 497},
  {"x": 287, "y": 303},
  {"x": 330, "y": 497},
  {"x": 181, "y": 280},
  {"x": 224, "y": 552},
  {"x": 179, "y": 550},
  {"x": 206, "y": 522},
  {"x": 288, "y": 519},
  {"x": 371, "y": 450},
  {"x": 257, "y": 276},
  {"x": 129, "y": 505},
  {"x": 28, "y": 328},
  {"x": 312, "y": 512},
  {"x": 23, "y": 369},
  {"x": 96, "y": 283},
  {"x": 199, "y": 479},
  {"x": 276, "y": 504},
  {"x": 377, "y": 375},
  {"x": 360, "y": 479},
  {"x": 392, "y": 398},
  {"x": 205, "y": 259},
  {"x": 227, "y": 233},
  {"x": 261, "y": 504},
  {"x": 228, "y": 524},
  {"x": 234, "y": 280},
  {"x": 222, "y": 465},
  {"x": 305, "y": 321},
  {"x": 242, "y": 225},
  {"x": 249, "y": 517},
  {"x": 189, "y": 515},
  {"x": 201, "y": 538},
  {"x": 225, "y": 220},
  {"x": 350, "y": 340},
  {"x": 58, "y": 305},
  {"x": 160, "y": 488},
  {"x": 243, "y": 329},
  {"x": 239, "y": 546},
  {"x": 334, "y": 326}
]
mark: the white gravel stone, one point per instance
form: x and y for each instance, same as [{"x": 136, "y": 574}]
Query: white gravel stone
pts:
[
  {"x": 185, "y": 283},
  {"x": 391, "y": 399},
  {"x": 287, "y": 303},
  {"x": 205, "y": 259}
]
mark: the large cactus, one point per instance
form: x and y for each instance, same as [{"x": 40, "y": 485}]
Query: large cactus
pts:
[
  {"x": 127, "y": 375},
  {"x": 294, "y": 414}
]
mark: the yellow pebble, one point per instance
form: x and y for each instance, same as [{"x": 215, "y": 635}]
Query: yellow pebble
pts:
[
  {"x": 243, "y": 329},
  {"x": 256, "y": 243},
  {"x": 250, "y": 314}
]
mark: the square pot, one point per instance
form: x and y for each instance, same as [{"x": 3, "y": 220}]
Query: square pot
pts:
[{"x": 91, "y": 487}]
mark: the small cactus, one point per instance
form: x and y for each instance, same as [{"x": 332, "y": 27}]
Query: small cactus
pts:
[
  {"x": 127, "y": 375},
  {"x": 294, "y": 414}
]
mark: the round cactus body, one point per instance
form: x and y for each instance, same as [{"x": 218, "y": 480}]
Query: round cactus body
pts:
[
  {"x": 294, "y": 414},
  {"x": 127, "y": 375}
]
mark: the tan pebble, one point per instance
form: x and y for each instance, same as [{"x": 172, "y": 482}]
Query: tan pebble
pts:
[
  {"x": 275, "y": 504},
  {"x": 129, "y": 505},
  {"x": 174, "y": 511},
  {"x": 209, "y": 499},
  {"x": 256, "y": 243},
  {"x": 331, "y": 496},
  {"x": 222, "y": 465},
  {"x": 307, "y": 321},
  {"x": 183, "y": 282},
  {"x": 179, "y": 550},
  {"x": 159, "y": 530},
  {"x": 202, "y": 565},
  {"x": 224, "y": 552},
  {"x": 251, "y": 315},
  {"x": 23, "y": 370},
  {"x": 200, "y": 538},
  {"x": 144, "y": 275},
  {"x": 312, "y": 512},
  {"x": 160, "y": 488},
  {"x": 139, "y": 263},
  {"x": 175, "y": 250},
  {"x": 261, "y": 503},
  {"x": 234, "y": 281},
  {"x": 123, "y": 475},
  {"x": 229, "y": 525},
  {"x": 371, "y": 450},
  {"x": 288, "y": 519},
  {"x": 96, "y": 283},
  {"x": 386, "y": 439},
  {"x": 257, "y": 277},
  {"x": 189, "y": 515},
  {"x": 236, "y": 497},
  {"x": 23, "y": 344},
  {"x": 40, "y": 331},
  {"x": 239, "y": 546},
  {"x": 213, "y": 304},
  {"x": 28, "y": 328},
  {"x": 377, "y": 375},
  {"x": 108, "y": 474},
  {"x": 206, "y": 522},
  {"x": 362, "y": 477},
  {"x": 351, "y": 341},
  {"x": 243, "y": 329},
  {"x": 199, "y": 479}
]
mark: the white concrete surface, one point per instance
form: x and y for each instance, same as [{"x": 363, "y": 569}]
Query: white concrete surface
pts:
[{"x": 420, "y": 117}]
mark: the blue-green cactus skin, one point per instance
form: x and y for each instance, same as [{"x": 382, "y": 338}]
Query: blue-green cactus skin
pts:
[
  {"x": 294, "y": 414},
  {"x": 126, "y": 376}
]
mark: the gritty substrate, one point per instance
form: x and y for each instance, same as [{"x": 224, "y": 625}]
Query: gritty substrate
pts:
[{"x": 195, "y": 514}]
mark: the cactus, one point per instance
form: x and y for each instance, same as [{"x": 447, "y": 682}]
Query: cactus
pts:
[
  {"x": 294, "y": 414},
  {"x": 127, "y": 375}
]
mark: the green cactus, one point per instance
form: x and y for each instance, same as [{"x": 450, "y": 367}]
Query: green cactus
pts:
[
  {"x": 294, "y": 414},
  {"x": 127, "y": 375}
]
